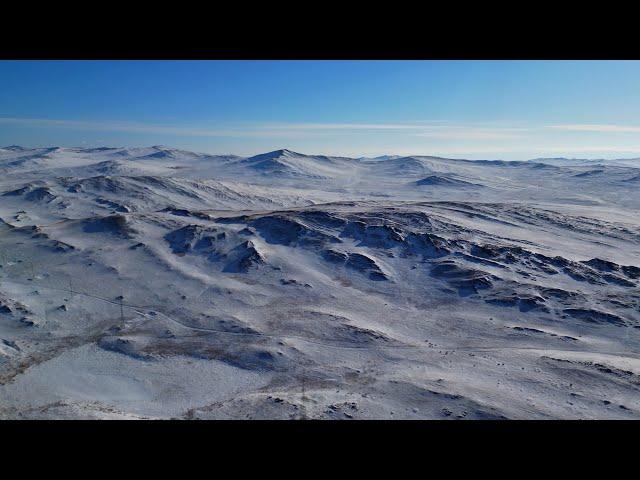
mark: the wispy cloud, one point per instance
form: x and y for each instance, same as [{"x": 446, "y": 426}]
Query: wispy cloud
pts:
[
  {"x": 348, "y": 126},
  {"x": 587, "y": 127},
  {"x": 472, "y": 133},
  {"x": 131, "y": 127},
  {"x": 421, "y": 129},
  {"x": 274, "y": 130},
  {"x": 243, "y": 130},
  {"x": 627, "y": 149}
]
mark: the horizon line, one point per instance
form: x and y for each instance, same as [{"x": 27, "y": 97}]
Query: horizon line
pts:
[{"x": 167, "y": 147}]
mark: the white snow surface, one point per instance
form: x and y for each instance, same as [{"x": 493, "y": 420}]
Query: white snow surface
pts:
[{"x": 145, "y": 283}]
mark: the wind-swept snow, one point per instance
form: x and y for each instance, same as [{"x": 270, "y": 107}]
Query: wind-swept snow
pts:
[{"x": 159, "y": 283}]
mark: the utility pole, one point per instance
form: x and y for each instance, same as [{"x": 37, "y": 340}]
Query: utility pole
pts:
[
  {"x": 121, "y": 311},
  {"x": 303, "y": 407}
]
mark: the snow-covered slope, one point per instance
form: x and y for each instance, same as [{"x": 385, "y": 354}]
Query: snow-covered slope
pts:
[
  {"x": 159, "y": 283},
  {"x": 561, "y": 161}
]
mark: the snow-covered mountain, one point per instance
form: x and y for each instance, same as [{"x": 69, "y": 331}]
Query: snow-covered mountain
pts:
[
  {"x": 566, "y": 162},
  {"x": 160, "y": 283}
]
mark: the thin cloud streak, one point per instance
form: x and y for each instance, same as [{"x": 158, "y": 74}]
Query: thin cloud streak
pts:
[
  {"x": 633, "y": 149},
  {"x": 471, "y": 134},
  {"x": 349, "y": 126},
  {"x": 258, "y": 130},
  {"x": 122, "y": 127},
  {"x": 266, "y": 130},
  {"x": 596, "y": 128},
  {"x": 423, "y": 129}
]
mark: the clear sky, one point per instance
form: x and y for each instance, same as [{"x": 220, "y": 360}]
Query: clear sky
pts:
[{"x": 462, "y": 109}]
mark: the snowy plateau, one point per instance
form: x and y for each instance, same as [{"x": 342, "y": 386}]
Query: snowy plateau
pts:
[{"x": 156, "y": 283}]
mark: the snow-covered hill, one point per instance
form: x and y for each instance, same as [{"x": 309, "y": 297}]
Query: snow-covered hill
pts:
[{"x": 159, "y": 283}]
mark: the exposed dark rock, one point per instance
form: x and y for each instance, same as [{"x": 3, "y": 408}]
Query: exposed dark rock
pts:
[
  {"x": 466, "y": 280},
  {"x": 594, "y": 316},
  {"x": 281, "y": 230},
  {"x": 246, "y": 256},
  {"x": 113, "y": 224}
]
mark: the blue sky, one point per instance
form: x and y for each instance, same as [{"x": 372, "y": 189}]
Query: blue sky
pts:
[{"x": 462, "y": 109}]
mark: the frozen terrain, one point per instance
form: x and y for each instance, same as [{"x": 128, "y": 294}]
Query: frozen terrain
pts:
[{"x": 159, "y": 283}]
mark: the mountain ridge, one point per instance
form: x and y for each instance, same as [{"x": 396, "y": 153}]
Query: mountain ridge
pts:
[{"x": 288, "y": 153}]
